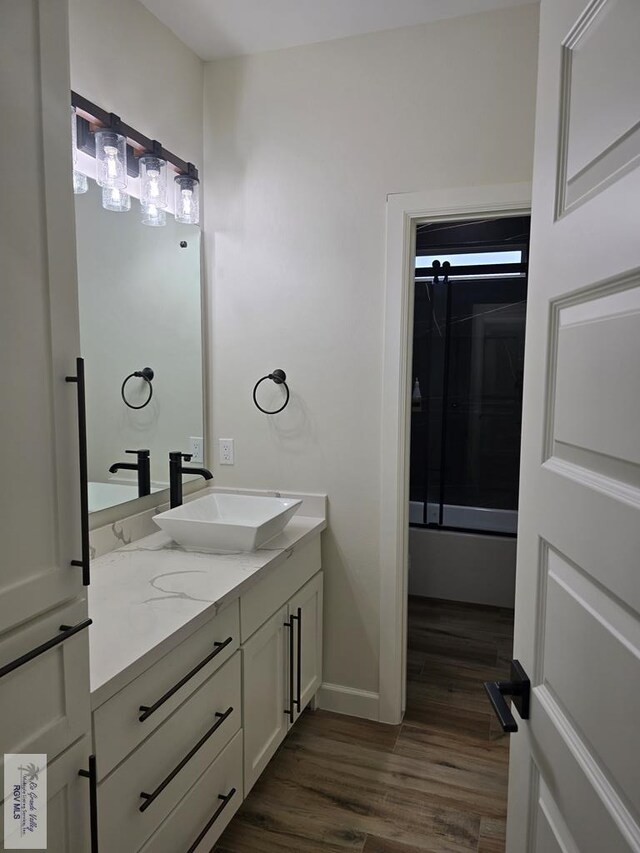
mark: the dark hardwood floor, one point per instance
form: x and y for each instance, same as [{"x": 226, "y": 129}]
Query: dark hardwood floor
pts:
[{"x": 438, "y": 782}]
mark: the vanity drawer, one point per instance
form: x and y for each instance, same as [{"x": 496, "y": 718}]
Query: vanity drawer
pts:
[
  {"x": 261, "y": 601},
  {"x": 170, "y": 761},
  {"x": 118, "y": 728},
  {"x": 207, "y": 806}
]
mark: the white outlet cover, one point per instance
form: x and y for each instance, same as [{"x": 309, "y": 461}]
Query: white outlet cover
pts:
[
  {"x": 225, "y": 451},
  {"x": 196, "y": 449}
]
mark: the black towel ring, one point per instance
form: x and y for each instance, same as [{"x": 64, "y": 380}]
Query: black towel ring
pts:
[
  {"x": 279, "y": 377},
  {"x": 147, "y": 374}
]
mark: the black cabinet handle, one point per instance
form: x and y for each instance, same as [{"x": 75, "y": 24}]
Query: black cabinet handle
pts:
[
  {"x": 66, "y": 632},
  {"x": 92, "y": 776},
  {"x": 149, "y": 798},
  {"x": 298, "y": 618},
  {"x": 289, "y": 711},
  {"x": 519, "y": 688},
  {"x": 226, "y": 798},
  {"x": 147, "y": 710},
  {"x": 84, "y": 476}
]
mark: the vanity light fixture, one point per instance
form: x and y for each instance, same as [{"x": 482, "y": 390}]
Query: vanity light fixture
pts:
[
  {"x": 121, "y": 150},
  {"x": 153, "y": 180},
  {"x": 187, "y": 199},
  {"x": 153, "y": 215},
  {"x": 116, "y": 200},
  {"x": 80, "y": 182},
  {"x": 111, "y": 159}
]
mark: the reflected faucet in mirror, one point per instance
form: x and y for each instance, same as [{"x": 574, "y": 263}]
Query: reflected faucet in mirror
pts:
[
  {"x": 176, "y": 472},
  {"x": 142, "y": 466}
]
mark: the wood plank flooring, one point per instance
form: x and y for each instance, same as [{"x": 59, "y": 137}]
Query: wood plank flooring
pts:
[{"x": 436, "y": 783}]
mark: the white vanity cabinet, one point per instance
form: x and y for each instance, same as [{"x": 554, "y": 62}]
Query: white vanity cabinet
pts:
[{"x": 180, "y": 746}]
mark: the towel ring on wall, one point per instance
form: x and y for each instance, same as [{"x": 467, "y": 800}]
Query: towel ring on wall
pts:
[
  {"x": 147, "y": 374},
  {"x": 279, "y": 377}
]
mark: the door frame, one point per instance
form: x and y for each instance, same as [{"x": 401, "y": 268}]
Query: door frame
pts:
[{"x": 404, "y": 211}]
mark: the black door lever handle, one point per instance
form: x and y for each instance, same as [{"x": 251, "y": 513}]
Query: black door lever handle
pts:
[{"x": 519, "y": 689}]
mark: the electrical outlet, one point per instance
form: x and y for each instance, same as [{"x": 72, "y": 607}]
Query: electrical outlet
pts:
[
  {"x": 225, "y": 451},
  {"x": 197, "y": 449}
]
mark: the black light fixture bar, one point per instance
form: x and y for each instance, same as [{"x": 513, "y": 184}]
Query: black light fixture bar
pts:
[
  {"x": 111, "y": 121},
  {"x": 470, "y": 270}
]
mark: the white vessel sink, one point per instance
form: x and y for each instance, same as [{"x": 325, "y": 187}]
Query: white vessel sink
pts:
[{"x": 227, "y": 522}]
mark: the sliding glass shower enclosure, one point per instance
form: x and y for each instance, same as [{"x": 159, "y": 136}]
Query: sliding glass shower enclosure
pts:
[{"x": 468, "y": 355}]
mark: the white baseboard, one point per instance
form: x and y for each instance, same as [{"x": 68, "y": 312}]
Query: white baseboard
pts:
[{"x": 347, "y": 700}]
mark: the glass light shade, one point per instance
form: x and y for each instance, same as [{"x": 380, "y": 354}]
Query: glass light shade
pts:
[
  {"x": 153, "y": 180},
  {"x": 187, "y": 199},
  {"x": 111, "y": 160},
  {"x": 116, "y": 200},
  {"x": 153, "y": 215},
  {"x": 80, "y": 183},
  {"x": 74, "y": 136}
]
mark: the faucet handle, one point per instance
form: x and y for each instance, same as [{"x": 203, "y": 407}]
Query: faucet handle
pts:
[{"x": 141, "y": 454}]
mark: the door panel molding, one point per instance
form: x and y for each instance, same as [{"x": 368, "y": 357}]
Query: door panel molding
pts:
[
  {"x": 621, "y": 292},
  {"x": 576, "y": 183}
]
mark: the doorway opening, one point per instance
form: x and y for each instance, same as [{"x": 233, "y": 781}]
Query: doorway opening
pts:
[{"x": 470, "y": 292}]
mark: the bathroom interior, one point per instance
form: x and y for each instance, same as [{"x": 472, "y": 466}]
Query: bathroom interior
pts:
[{"x": 266, "y": 281}]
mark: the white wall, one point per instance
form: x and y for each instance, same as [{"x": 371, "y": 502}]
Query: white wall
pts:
[
  {"x": 301, "y": 148},
  {"x": 126, "y": 61}
]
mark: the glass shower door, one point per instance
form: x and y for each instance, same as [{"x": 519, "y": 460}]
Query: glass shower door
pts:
[{"x": 467, "y": 402}]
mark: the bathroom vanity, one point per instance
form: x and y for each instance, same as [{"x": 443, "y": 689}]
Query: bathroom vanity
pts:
[{"x": 200, "y": 664}]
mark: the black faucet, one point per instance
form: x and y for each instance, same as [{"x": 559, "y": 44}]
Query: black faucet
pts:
[
  {"x": 176, "y": 470},
  {"x": 142, "y": 466}
]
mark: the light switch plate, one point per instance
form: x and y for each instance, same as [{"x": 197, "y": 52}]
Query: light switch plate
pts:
[{"x": 225, "y": 451}]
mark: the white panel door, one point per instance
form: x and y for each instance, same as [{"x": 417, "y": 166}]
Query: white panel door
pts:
[
  {"x": 39, "y": 335},
  {"x": 575, "y": 764}
]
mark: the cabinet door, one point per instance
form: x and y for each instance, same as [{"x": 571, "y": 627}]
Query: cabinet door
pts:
[
  {"x": 306, "y": 608},
  {"x": 44, "y": 703},
  {"x": 39, "y": 332},
  {"x": 265, "y": 665}
]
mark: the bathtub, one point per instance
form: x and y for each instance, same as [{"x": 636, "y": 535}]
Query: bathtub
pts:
[
  {"x": 467, "y": 517},
  {"x": 474, "y": 567}
]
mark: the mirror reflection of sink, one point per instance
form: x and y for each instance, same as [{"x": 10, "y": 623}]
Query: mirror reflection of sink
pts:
[{"x": 227, "y": 522}]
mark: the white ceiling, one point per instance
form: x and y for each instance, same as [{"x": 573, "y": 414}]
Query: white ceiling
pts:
[{"x": 218, "y": 28}]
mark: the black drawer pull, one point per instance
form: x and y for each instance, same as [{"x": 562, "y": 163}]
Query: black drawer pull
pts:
[
  {"x": 519, "y": 688},
  {"x": 147, "y": 710},
  {"x": 289, "y": 711},
  {"x": 92, "y": 776},
  {"x": 84, "y": 563},
  {"x": 149, "y": 798},
  {"x": 298, "y": 617},
  {"x": 225, "y": 802},
  {"x": 66, "y": 632}
]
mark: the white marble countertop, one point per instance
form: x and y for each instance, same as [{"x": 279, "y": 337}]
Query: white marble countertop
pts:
[{"x": 147, "y": 597}]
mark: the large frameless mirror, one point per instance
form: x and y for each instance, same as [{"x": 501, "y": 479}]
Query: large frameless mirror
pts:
[{"x": 141, "y": 338}]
